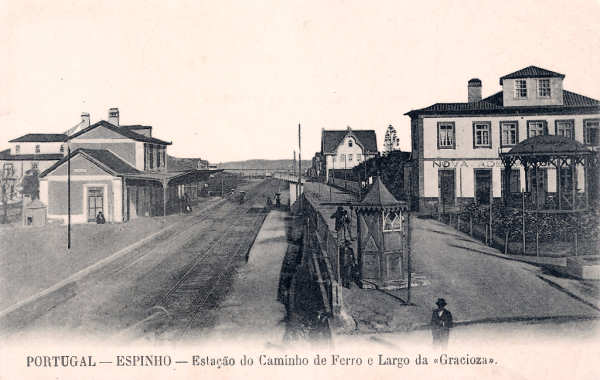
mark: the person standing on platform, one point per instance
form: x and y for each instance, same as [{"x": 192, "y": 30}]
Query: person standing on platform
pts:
[
  {"x": 100, "y": 218},
  {"x": 347, "y": 264},
  {"x": 338, "y": 215}
]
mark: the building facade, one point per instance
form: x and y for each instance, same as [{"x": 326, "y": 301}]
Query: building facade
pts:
[
  {"x": 119, "y": 170},
  {"x": 344, "y": 149},
  {"x": 456, "y": 146}
]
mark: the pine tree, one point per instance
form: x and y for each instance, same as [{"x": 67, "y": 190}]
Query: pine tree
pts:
[{"x": 391, "y": 141}]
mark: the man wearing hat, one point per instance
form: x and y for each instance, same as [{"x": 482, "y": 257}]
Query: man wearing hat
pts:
[{"x": 441, "y": 323}]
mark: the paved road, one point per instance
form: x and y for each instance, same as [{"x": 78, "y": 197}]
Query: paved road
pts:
[
  {"x": 143, "y": 292},
  {"x": 478, "y": 287}
]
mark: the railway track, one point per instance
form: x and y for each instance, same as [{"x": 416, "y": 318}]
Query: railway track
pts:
[
  {"x": 197, "y": 290},
  {"x": 180, "y": 272}
]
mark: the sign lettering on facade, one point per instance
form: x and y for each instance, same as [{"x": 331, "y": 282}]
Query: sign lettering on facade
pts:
[{"x": 468, "y": 163}]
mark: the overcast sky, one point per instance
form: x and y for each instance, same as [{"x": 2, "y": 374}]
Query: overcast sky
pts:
[{"x": 231, "y": 80}]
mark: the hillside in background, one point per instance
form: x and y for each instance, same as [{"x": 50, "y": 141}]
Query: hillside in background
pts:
[
  {"x": 176, "y": 164},
  {"x": 263, "y": 164}
]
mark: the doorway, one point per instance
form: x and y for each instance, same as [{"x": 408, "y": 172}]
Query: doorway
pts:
[
  {"x": 483, "y": 186},
  {"x": 538, "y": 185},
  {"x": 447, "y": 188},
  {"x": 95, "y": 202}
]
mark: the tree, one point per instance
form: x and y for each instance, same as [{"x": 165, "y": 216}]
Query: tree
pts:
[
  {"x": 31, "y": 184},
  {"x": 7, "y": 189},
  {"x": 4, "y": 185},
  {"x": 391, "y": 141}
]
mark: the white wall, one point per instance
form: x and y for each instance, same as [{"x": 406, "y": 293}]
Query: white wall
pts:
[
  {"x": 117, "y": 195},
  {"x": 556, "y": 94},
  {"x": 464, "y": 133},
  {"x": 464, "y": 176},
  {"x": 139, "y": 155},
  {"x": 345, "y": 149},
  {"x": 29, "y": 147}
]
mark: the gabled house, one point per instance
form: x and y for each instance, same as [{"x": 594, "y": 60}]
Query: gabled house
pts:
[
  {"x": 344, "y": 149},
  {"x": 121, "y": 170}
]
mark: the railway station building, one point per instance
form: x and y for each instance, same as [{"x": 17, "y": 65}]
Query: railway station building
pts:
[
  {"x": 457, "y": 147},
  {"x": 121, "y": 171}
]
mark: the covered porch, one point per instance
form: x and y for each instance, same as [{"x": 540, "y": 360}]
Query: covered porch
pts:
[
  {"x": 560, "y": 175},
  {"x": 159, "y": 194}
]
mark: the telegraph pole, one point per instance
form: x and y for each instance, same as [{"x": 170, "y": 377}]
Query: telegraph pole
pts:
[
  {"x": 294, "y": 174},
  {"x": 68, "y": 196},
  {"x": 299, "y": 167}
]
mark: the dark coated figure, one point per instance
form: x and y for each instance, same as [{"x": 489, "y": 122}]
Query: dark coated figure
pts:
[
  {"x": 100, "y": 218},
  {"x": 441, "y": 323}
]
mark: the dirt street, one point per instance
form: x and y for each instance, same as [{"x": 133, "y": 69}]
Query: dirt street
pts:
[{"x": 167, "y": 288}]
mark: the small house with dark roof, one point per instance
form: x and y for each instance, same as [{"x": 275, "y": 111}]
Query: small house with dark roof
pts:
[
  {"x": 33, "y": 151},
  {"x": 456, "y": 147},
  {"x": 344, "y": 149}
]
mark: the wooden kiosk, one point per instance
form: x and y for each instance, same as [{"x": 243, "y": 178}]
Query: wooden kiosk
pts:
[{"x": 382, "y": 231}]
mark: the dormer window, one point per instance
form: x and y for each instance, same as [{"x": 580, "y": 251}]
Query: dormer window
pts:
[
  {"x": 544, "y": 88},
  {"x": 37, "y": 148},
  {"x": 17, "y": 149},
  {"x": 520, "y": 89},
  {"x": 62, "y": 148}
]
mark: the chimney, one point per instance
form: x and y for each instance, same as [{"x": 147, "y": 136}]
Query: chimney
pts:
[
  {"x": 474, "y": 90},
  {"x": 113, "y": 116},
  {"x": 85, "y": 120},
  {"x": 84, "y": 123}
]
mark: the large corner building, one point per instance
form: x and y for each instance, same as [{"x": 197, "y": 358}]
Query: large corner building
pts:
[{"x": 457, "y": 146}]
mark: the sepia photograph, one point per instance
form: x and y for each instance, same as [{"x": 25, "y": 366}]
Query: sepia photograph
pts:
[{"x": 299, "y": 189}]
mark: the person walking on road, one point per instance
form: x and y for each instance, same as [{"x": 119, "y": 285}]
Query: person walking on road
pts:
[{"x": 441, "y": 323}]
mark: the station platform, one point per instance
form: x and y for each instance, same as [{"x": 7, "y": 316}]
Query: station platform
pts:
[{"x": 251, "y": 312}]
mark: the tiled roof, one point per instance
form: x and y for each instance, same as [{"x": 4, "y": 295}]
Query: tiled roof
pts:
[
  {"x": 6, "y": 156},
  {"x": 41, "y": 137},
  {"x": 332, "y": 139},
  {"x": 379, "y": 195},
  {"x": 548, "y": 144},
  {"x": 103, "y": 158},
  {"x": 109, "y": 159},
  {"x": 135, "y": 126},
  {"x": 495, "y": 104},
  {"x": 122, "y": 131},
  {"x": 532, "y": 72}
]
